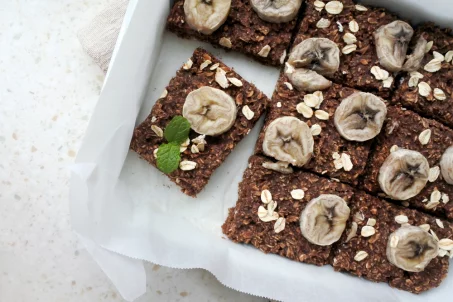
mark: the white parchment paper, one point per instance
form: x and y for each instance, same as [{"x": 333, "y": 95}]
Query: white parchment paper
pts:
[{"x": 121, "y": 205}]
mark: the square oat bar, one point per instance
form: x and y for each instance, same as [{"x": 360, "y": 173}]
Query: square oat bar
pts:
[
  {"x": 405, "y": 129},
  {"x": 371, "y": 222},
  {"x": 207, "y": 152},
  {"x": 328, "y": 143},
  {"x": 429, "y": 91},
  {"x": 291, "y": 192},
  {"x": 351, "y": 27},
  {"x": 243, "y": 31}
]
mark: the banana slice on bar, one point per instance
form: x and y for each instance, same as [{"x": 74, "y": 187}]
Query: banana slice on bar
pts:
[
  {"x": 411, "y": 248},
  {"x": 276, "y": 11},
  {"x": 288, "y": 139},
  {"x": 446, "y": 165},
  {"x": 324, "y": 219},
  {"x": 403, "y": 174},
  {"x": 318, "y": 54},
  {"x": 206, "y": 16},
  {"x": 415, "y": 59},
  {"x": 392, "y": 41},
  {"x": 210, "y": 111},
  {"x": 306, "y": 80},
  {"x": 360, "y": 116}
]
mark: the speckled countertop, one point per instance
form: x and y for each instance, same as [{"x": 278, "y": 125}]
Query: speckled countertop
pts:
[{"x": 48, "y": 90}]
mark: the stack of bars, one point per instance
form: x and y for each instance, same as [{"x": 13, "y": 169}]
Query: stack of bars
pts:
[{"x": 354, "y": 164}]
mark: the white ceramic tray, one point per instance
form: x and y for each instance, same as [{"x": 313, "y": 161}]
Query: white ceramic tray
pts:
[{"x": 121, "y": 205}]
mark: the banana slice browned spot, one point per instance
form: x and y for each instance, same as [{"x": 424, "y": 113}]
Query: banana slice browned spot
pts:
[
  {"x": 318, "y": 54},
  {"x": 403, "y": 174},
  {"x": 446, "y": 165},
  {"x": 206, "y": 16},
  {"x": 324, "y": 219},
  {"x": 392, "y": 41},
  {"x": 415, "y": 59},
  {"x": 210, "y": 111},
  {"x": 360, "y": 116},
  {"x": 306, "y": 80},
  {"x": 411, "y": 248},
  {"x": 276, "y": 11},
  {"x": 288, "y": 139}
]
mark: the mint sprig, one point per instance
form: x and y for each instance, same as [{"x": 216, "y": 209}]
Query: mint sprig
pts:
[
  {"x": 168, "y": 155},
  {"x": 177, "y": 130}
]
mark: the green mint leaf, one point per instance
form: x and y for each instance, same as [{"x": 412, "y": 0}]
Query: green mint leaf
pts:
[
  {"x": 168, "y": 157},
  {"x": 177, "y": 130}
]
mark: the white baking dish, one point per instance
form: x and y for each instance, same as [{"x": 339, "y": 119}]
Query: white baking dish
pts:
[{"x": 121, "y": 204}]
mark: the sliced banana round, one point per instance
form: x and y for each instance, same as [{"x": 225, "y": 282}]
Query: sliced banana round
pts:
[
  {"x": 360, "y": 116},
  {"x": 276, "y": 11},
  {"x": 206, "y": 16},
  {"x": 403, "y": 174},
  {"x": 392, "y": 41},
  {"x": 210, "y": 111},
  {"x": 307, "y": 80},
  {"x": 411, "y": 248},
  {"x": 289, "y": 139},
  {"x": 318, "y": 54},
  {"x": 415, "y": 59},
  {"x": 446, "y": 165},
  {"x": 324, "y": 219}
]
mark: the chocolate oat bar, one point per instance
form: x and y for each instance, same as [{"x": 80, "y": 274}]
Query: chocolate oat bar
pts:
[
  {"x": 379, "y": 241},
  {"x": 428, "y": 90},
  {"x": 243, "y": 30},
  {"x": 288, "y": 195},
  {"x": 363, "y": 248},
  {"x": 405, "y": 130},
  {"x": 235, "y": 106},
  {"x": 351, "y": 27},
  {"x": 333, "y": 155}
]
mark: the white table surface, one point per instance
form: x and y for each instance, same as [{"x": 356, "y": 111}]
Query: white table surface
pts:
[{"x": 48, "y": 90}]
